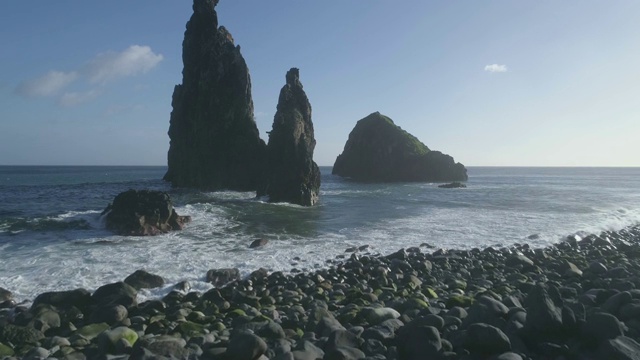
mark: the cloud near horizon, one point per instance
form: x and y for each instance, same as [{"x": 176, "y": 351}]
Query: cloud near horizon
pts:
[
  {"x": 496, "y": 68},
  {"x": 47, "y": 85},
  {"x": 111, "y": 65},
  {"x": 103, "y": 68}
]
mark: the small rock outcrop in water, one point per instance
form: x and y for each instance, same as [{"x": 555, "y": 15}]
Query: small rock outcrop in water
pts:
[
  {"x": 453, "y": 185},
  {"x": 291, "y": 174},
  {"x": 258, "y": 243},
  {"x": 380, "y": 151},
  {"x": 215, "y": 143},
  {"x": 143, "y": 212}
]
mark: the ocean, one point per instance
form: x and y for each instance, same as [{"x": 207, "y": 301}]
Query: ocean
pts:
[{"x": 52, "y": 236}]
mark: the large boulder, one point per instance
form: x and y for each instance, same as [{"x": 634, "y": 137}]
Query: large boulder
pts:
[
  {"x": 215, "y": 143},
  {"x": 143, "y": 212},
  {"x": 291, "y": 175},
  {"x": 141, "y": 279},
  {"x": 380, "y": 151}
]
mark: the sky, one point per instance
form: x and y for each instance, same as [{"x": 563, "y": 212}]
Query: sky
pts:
[{"x": 492, "y": 83}]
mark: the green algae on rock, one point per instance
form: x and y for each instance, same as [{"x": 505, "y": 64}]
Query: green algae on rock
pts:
[{"x": 380, "y": 151}]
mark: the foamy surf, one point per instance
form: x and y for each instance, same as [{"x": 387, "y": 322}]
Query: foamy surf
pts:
[{"x": 72, "y": 248}]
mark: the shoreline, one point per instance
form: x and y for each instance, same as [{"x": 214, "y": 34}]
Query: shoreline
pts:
[{"x": 579, "y": 298}]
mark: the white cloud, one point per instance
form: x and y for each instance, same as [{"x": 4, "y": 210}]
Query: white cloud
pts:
[
  {"x": 111, "y": 65},
  {"x": 104, "y": 68},
  {"x": 76, "y": 98},
  {"x": 47, "y": 85},
  {"x": 496, "y": 68}
]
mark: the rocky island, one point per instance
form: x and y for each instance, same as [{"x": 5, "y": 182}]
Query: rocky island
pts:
[
  {"x": 291, "y": 174},
  {"x": 380, "y": 151},
  {"x": 215, "y": 143}
]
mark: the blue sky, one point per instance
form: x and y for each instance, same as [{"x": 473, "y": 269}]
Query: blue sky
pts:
[{"x": 492, "y": 83}]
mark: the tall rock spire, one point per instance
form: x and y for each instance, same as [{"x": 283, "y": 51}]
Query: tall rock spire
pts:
[
  {"x": 291, "y": 174},
  {"x": 215, "y": 143}
]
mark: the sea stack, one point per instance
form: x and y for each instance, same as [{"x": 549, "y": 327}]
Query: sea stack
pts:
[
  {"x": 291, "y": 174},
  {"x": 215, "y": 143},
  {"x": 380, "y": 151}
]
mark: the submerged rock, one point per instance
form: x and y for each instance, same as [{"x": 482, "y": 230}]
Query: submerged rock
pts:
[
  {"x": 380, "y": 151},
  {"x": 291, "y": 174},
  {"x": 215, "y": 143},
  {"x": 143, "y": 212},
  {"x": 453, "y": 185},
  {"x": 258, "y": 243}
]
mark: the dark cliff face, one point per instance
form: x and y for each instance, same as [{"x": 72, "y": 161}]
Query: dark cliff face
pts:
[
  {"x": 291, "y": 174},
  {"x": 379, "y": 151},
  {"x": 215, "y": 143}
]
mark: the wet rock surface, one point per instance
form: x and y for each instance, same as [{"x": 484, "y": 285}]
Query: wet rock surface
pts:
[
  {"x": 380, "y": 151},
  {"x": 453, "y": 185},
  {"x": 215, "y": 143},
  {"x": 143, "y": 213},
  {"x": 496, "y": 303}
]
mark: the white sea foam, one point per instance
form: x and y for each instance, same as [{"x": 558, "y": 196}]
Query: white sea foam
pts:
[{"x": 386, "y": 217}]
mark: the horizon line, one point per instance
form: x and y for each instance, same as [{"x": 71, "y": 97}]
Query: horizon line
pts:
[{"x": 467, "y": 166}]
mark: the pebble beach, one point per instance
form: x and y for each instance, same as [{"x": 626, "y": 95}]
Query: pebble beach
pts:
[{"x": 577, "y": 299}]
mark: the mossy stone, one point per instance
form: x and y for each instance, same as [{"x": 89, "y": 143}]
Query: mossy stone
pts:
[
  {"x": 236, "y": 312},
  {"x": 109, "y": 338},
  {"x": 457, "y": 284},
  {"x": 91, "y": 331},
  {"x": 218, "y": 326},
  {"x": 430, "y": 293},
  {"x": 460, "y": 300},
  {"x": 190, "y": 329},
  {"x": 348, "y": 317},
  {"x": 6, "y": 350},
  {"x": 415, "y": 303},
  {"x": 156, "y": 318}
]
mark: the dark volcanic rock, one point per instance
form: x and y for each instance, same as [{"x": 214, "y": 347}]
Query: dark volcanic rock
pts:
[
  {"x": 141, "y": 279},
  {"x": 291, "y": 174},
  {"x": 115, "y": 294},
  {"x": 80, "y": 298},
  {"x": 143, "y": 212},
  {"x": 5, "y": 295},
  {"x": 258, "y": 243},
  {"x": 453, "y": 185},
  {"x": 220, "y": 277},
  {"x": 380, "y": 151},
  {"x": 215, "y": 143}
]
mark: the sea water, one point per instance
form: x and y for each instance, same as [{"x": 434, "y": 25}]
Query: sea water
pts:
[{"x": 53, "y": 238}]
